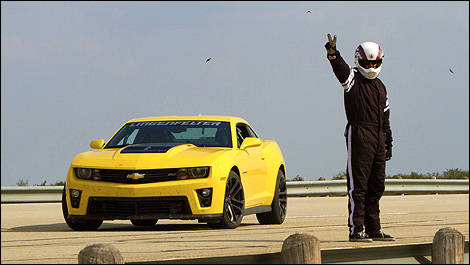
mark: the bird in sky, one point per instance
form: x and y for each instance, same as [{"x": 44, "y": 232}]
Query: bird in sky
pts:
[
  {"x": 450, "y": 70},
  {"x": 208, "y": 59},
  {"x": 309, "y": 11}
]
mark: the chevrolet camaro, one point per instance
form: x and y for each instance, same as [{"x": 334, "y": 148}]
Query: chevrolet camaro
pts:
[{"x": 211, "y": 168}]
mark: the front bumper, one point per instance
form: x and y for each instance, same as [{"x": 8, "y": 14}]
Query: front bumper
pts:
[{"x": 161, "y": 200}]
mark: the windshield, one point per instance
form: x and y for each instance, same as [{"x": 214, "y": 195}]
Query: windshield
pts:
[{"x": 199, "y": 133}]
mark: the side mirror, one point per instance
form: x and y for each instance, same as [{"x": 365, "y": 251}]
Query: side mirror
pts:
[
  {"x": 250, "y": 142},
  {"x": 97, "y": 144}
]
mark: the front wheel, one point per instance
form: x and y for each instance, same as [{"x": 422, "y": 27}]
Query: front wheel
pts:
[
  {"x": 234, "y": 203},
  {"x": 79, "y": 225},
  {"x": 277, "y": 215}
]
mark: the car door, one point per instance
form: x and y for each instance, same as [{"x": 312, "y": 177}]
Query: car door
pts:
[{"x": 252, "y": 167}]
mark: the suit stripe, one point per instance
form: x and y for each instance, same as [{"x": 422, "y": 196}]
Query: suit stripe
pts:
[
  {"x": 349, "y": 83},
  {"x": 387, "y": 107},
  {"x": 351, "y": 182}
]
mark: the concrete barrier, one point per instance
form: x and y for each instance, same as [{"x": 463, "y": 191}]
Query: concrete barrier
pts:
[
  {"x": 100, "y": 254},
  {"x": 448, "y": 247},
  {"x": 301, "y": 248}
]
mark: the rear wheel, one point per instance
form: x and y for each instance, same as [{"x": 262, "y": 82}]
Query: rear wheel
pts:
[
  {"x": 144, "y": 222},
  {"x": 73, "y": 222},
  {"x": 234, "y": 203},
  {"x": 277, "y": 215}
]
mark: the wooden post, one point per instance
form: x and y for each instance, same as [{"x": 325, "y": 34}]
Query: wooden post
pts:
[
  {"x": 301, "y": 248},
  {"x": 100, "y": 254},
  {"x": 448, "y": 247}
]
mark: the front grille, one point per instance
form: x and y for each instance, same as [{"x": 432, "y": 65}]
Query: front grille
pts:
[
  {"x": 125, "y": 208},
  {"x": 150, "y": 175}
]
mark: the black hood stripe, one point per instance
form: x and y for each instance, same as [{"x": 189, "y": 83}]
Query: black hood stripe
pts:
[{"x": 149, "y": 148}]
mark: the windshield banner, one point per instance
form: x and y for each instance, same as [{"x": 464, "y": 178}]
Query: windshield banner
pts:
[{"x": 167, "y": 123}]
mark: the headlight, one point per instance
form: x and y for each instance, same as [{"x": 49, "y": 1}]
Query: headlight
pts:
[
  {"x": 83, "y": 173},
  {"x": 192, "y": 173}
]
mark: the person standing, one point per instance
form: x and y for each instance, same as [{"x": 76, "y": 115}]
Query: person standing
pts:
[{"x": 368, "y": 137}]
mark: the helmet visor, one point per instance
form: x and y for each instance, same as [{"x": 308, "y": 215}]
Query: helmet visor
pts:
[{"x": 370, "y": 63}]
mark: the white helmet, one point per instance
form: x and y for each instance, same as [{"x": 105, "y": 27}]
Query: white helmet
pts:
[{"x": 368, "y": 59}]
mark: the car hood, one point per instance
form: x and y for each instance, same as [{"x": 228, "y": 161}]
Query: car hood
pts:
[{"x": 150, "y": 156}]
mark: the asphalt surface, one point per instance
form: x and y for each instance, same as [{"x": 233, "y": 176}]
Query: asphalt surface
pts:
[{"x": 37, "y": 233}]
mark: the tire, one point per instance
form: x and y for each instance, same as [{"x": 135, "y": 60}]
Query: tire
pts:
[
  {"x": 277, "y": 215},
  {"x": 144, "y": 222},
  {"x": 78, "y": 225},
  {"x": 234, "y": 203}
]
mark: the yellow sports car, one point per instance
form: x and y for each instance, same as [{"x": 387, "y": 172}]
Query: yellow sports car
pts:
[{"x": 211, "y": 168}]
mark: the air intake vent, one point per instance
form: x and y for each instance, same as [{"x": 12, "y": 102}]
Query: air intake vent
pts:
[{"x": 125, "y": 208}]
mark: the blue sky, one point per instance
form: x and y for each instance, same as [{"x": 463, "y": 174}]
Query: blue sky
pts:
[{"x": 76, "y": 71}]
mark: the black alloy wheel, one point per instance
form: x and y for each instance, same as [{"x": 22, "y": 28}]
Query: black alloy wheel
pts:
[
  {"x": 78, "y": 225},
  {"x": 144, "y": 222},
  {"x": 282, "y": 195},
  {"x": 234, "y": 203},
  {"x": 278, "y": 212}
]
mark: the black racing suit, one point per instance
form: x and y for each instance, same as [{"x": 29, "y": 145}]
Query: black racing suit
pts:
[{"x": 367, "y": 134}]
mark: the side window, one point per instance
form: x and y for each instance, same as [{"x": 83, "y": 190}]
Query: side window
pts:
[
  {"x": 251, "y": 132},
  {"x": 239, "y": 136},
  {"x": 243, "y": 131}
]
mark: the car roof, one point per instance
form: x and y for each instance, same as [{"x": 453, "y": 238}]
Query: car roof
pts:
[{"x": 190, "y": 118}]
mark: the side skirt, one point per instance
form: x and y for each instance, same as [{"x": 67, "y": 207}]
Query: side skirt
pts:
[{"x": 257, "y": 209}]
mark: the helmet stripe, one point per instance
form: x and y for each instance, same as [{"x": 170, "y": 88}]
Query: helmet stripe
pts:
[
  {"x": 363, "y": 54},
  {"x": 379, "y": 54}
]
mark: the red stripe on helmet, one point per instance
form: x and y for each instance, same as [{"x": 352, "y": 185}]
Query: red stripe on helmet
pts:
[
  {"x": 363, "y": 54},
  {"x": 380, "y": 51}
]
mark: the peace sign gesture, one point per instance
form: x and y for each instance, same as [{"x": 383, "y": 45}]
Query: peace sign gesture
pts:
[{"x": 331, "y": 45}]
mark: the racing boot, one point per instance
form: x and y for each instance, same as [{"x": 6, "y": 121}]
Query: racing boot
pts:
[
  {"x": 359, "y": 237},
  {"x": 380, "y": 236}
]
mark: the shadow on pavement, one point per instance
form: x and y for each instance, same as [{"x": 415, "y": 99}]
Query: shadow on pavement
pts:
[{"x": 110, "y": 227}]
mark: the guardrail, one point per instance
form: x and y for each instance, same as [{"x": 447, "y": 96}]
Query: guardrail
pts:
[
  {"x": 26, "y": 194},
  {"x": 392, "y": 186},
  {"x": 23, "y": 194}
]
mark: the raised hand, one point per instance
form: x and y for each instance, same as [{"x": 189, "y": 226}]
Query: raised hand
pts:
[{"x": 331, "y": 45}]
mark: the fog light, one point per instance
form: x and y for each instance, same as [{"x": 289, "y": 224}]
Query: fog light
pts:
[
  {"x": 204, "y": 196},
  {"x": 206, "y": 192},
  {"x": 75, "y": 196},
  {"x": 75, "y": 193}
]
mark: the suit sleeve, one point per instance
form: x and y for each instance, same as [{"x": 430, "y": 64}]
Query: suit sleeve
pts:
[
  {"x": 343, "y": 72},
  {"x": 386, "y": 125}
]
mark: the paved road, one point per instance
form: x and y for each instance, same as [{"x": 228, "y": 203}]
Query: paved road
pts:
[{"x": 37, "y": 233}]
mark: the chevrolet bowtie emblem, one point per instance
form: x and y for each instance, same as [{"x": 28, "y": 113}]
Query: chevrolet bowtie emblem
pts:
[{"x": 135, "y": 176}]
